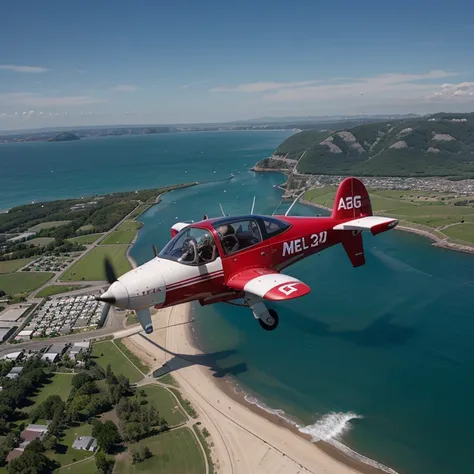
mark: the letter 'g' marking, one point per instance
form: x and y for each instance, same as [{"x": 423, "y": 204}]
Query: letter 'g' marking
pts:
[{"x": 288, "y": 289}]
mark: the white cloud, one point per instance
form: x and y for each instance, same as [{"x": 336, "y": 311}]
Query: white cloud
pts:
[
  {"x": 383, "y": 86},
  {"x": 36, "y": 100},
  {"x": 262, "y": 86},
  {"x": 197, "y": 83},
  {"x": 448, "y": 91},
  {"x": 28, "y": 69},
  {"x": 125, "y": 88}
]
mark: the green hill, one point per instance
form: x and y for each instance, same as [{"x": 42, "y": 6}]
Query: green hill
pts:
[{"x": 436, "y": 145}]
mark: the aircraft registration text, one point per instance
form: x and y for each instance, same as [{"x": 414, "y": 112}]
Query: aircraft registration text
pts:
[{"x": 298, "y": 245}]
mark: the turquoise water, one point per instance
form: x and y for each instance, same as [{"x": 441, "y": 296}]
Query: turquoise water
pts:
[{"x": 380, "y": 357}]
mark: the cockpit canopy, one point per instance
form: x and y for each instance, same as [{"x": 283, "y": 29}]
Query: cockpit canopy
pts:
[{"x": 196, "y": 246}]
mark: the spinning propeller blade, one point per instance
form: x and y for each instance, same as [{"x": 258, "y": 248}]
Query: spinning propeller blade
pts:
[
  {"x": 144, "y": 316},
  {"x": 155, "y": 250},
  {"x": 109, "y": 271}
]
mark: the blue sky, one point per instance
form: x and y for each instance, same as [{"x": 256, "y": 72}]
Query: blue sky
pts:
[{"x": 124, "y": 62}]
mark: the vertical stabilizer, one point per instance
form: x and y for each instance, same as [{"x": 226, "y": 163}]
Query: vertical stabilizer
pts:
[{"x": 352, "y": 200}]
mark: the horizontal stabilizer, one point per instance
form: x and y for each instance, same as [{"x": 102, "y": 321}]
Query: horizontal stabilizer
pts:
[{"x": 374, "y": 224}]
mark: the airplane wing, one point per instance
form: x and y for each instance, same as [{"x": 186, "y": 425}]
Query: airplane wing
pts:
[{"x": 268, "y": 284}]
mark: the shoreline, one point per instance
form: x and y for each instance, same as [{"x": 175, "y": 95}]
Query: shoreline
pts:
[
  {"x": 246, "y": 438},
  {"x": 437, "y": 241},
  {"x": 229, "y": 386}
]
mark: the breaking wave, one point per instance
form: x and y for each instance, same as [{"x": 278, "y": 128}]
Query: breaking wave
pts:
[{"x": 330, "y": 428}]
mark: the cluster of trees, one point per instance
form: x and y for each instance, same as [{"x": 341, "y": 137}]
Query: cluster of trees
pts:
[
  {"x": 25, "y": 249},
  {"x": 139, "y": 419},
  {"x": 140, "y": 454}
]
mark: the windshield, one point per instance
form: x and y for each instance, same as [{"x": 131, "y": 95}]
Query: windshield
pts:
[{"x": 191, "y": 246}]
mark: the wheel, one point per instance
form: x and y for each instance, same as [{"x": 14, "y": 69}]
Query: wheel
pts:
[{"x": 272, "y": 324}]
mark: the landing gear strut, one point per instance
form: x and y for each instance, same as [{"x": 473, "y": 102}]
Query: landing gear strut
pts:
[{"x": 267, "y": 318}]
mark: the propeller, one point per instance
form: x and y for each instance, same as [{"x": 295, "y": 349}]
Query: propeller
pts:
[
  {"x": 155, "y": 250},
  {"x": 109, "y": 271}
]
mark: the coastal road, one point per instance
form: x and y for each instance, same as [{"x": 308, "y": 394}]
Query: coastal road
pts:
[{"x": 113, "y": 326}]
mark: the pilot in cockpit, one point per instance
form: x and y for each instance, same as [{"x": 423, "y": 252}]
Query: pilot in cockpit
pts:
[{"x": 229, "y": 240}]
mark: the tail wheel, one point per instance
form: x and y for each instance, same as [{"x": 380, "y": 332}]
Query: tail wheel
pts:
[{"x": 271, "y": 321}]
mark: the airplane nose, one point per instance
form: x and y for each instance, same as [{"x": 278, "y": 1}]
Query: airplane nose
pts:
[{"x": 116, "y": 295}]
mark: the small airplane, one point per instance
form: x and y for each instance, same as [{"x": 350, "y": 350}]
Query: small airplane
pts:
[{"x": 224, "y": 259}]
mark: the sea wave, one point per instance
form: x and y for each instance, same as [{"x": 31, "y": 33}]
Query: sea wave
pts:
[{"x": 330, "y": 428}]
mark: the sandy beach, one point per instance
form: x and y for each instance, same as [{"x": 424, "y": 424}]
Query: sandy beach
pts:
[{"x": 245, "y": 439}]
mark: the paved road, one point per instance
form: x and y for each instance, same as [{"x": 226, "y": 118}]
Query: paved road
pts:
[
  {"x": 54, "y": 279},
  {"x": 114, "y": 325}
]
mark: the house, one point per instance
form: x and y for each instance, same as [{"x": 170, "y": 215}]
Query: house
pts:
[
  {"x": 13, "y": 355},
  {"x": 85, "y": 443},
  {"x": 50, "y": 356},
  {"x": 29, "y": 434},
  {"x": 14, "y": 373},
  {"x": 25, "y": 334}
]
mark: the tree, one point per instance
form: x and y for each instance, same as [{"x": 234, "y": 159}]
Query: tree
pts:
[
  {"x": 50, "y": 442},
  {"x": 30, "y": 462},
  {"x": 107, "y": 436},
  {"x": 80, "y": 379},
  {"x": 103, "y": 464},
  {"x": 36, "y": 446}
]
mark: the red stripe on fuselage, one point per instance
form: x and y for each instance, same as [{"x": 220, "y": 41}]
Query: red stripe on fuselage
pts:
[{"x": 193, "y": 279}]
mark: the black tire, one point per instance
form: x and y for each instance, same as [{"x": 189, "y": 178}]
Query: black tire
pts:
[{"x": 270, "y": 327}]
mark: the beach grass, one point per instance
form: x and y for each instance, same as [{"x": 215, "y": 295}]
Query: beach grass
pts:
[
  {"x": 23, "y": 282},
  {"x": 85, "y": 239},
  {"x": 166, "y": 404},
  {"x": 173, "y": 452},
  {"x": 91, "y": 266},
  {"x": 136, "y": 361},
  {"x": 48, "y": 225},
  {"x": 107, "y": 352},
  {"x": 9, "y": 266}
]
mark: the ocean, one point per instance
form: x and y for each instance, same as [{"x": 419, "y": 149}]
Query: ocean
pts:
[{"x": 379, "y": 358}]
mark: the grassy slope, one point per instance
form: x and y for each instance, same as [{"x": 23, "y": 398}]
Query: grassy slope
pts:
[
  {"x": 166, "y": 404},
  {"x": 108, "y": 353},
  {"x": 174, "y": 452},
  {"x": 57, "y": 289},
  {"x": 91, "y": 266},
  {"x": 85, "y": 239}
]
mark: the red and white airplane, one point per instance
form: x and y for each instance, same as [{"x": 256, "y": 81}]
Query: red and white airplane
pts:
[{"x": 242, "y": 258}]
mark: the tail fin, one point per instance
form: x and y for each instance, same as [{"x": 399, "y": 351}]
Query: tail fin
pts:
[{"x": 352, "y": 200}]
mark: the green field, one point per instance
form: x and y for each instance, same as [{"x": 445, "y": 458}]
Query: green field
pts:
[
  {"x": 85, "y": 239},
  {"x": 119, "y": 237},
  {"x": 85, "y": 228},
  {"x": 105, "y": 353},
  {"x": 47, "y": 225},
  {"x": 431, "y": 209},
  {"x": 461, "y": 232},
  {"x": 59, "y": 384},
  {"x": 8, "y": 266},
  {"x": 130, "y": 225},
  {"x": 67, "y": 454},
  {"x": 91, "y": 266},
  {"x": 40, "y": 241},
  {"x": 56, "y": 289},
  {"x": 174, "y": 452},
  {"x": 23, "y": 282},
  {"x": 139, "y": 210},
  {"x": 84, "y": 467},
  {"x": 166, "y": 404}
]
